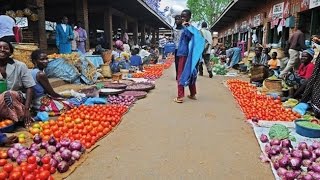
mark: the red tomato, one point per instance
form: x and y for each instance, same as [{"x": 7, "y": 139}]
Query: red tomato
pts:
[
  {"x": 29, "y": 177},
  {"x": 32, "y": 160},
  {"x": 50, "y": 178},
  {"x": 3, "y": 175},
  {"x": 3, "y": 162},
  {"x": 8, "y": 167},
  {"x": 46, "y": 160},
  {"x": 46, "y": 167},
  {"x": 31, "y": 167},
  {"x": 15, "y": 175},
  {"x": 44, "y": 175},
  {"x": 53, "y": 170}
]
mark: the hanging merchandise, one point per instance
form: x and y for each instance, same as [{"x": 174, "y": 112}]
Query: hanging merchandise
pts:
[
  {"x": 290, "y": 22},
  {"x": 280, "y": 26}
]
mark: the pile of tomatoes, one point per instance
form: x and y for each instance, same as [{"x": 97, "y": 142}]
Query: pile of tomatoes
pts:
[
  {"x": 259, "y": 106},
  {"x": 85, "y": 123},
  {"x": 28, "y": 170}
]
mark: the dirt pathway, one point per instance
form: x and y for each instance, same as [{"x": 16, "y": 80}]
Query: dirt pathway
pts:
[{"x": 159, "y": 139}]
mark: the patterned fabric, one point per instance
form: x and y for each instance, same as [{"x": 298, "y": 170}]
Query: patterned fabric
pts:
[
  {"x": 12, "y": 105},
  {"x": 262, "y": 60},
  {"x": 51, "y": 105},
  {"x": 312, "y": 91}
]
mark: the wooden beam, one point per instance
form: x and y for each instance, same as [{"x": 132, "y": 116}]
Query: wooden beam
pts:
[{"x": 107, "y": 20}]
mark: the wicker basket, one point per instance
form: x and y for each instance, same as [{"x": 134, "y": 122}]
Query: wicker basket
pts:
[
  {"x": 273, "y": 85},
  {"x": 22, "y": 52},
  {"x": 258, "y": 73},
  {"x": 107, "y": 57}
]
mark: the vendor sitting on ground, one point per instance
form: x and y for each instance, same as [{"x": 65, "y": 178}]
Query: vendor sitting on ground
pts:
[
  {"x": 14, "y": 104},
  {"x": 234, "y": 56},
  {"x": 312, "y": 90},
  {"x": 135, "y": 59},
  {"x": 145, "y": 55},
  {"x": 117, "y": 53},
  {"x": 266, "y": 51},
  {"x": 260, "y": 59},
  {"x": 45, "y": 98},
  {"x": 274, "y": 62},
  {"x": 300, "y": 78}
]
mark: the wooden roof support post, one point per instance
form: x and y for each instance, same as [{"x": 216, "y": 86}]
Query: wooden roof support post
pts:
[
  {"x": 124, "y": 24},
  {"x": 41, "y": 25},
  {"x": 153, "y": 36},
  {"x": 107, "y": 26},
  {"x": 82, "y": 16},
  {"x": 135, "y": 32},
  {"x": 143, "y": 34}
]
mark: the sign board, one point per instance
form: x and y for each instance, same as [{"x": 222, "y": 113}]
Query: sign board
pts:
[
  {"x": 314, "y": 3},
  {"x": 277, "y": 11},
  {"x": 257, "y": 20},
  {"x": 304, "y": 5}
]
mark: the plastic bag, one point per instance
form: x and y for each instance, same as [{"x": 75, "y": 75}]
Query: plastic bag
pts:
[
  {"x": 42, "y": 116},
  {"x": 301, "y": 108},
  {"x": 95, "y": 100},
  {"x": 59, "y": 68}
]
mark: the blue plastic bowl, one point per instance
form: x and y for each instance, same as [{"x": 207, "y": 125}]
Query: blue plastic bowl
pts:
[
  {"x": 306, "y": 132},
  {"x": 8, "y": 129}
]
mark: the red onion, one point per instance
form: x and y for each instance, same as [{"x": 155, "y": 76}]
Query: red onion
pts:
[
  {"x": 302, "y": 146},
  {"x": 48, "y": 154},
  {"x": 34, "y": 148},
  {"x": 297, "y": 153},
  {"x": 295, "y": 163},
  {"x": 52, "y": 141},
  {"x": 316, "y": 176},
  {"x": 65, "y": 142},
  {"x": 53, "y": 162},
  {"x": 310, "y": 148},
  {"x": 281, "y": 171},
  {"x": 306, "y": 154},
  {"x": 286, "y": 143},
  {"x": 315, "y": 145},
  {"x": 283, "y": 162},
  {"x": 290, "y": 175},
  {"x": 17, "y": 146},
  {"x": 275, "y": 142},
  {"x": 267, "y": 148},
  {"x": 58, "y": 146},
  {"x": 317, "y": 152},
  {"x": 306, "y": 162},
  {"x": 62, "y": 149},
  {"x": 75, "y": 145},
  {"x": 44, "y": 145},
  {"x": 26, "y": 152},
  {"x": 13, "y": 154},
  {"x": 51, "y": 149},
  {"x": 57, "y": 156},
  {"x": 71, "y": 162},
  {"x": 276, "y": 165},
  {"x": 37, "y": 139},
  {"x": 76, "y": 154},
  {"x": 307, "y": 177},
  {"x": 66, "y": 155},
  {"x": 62, "y": 167},
  {"x": 316, "y": 167},
  {"x": 276, "y": 148},
  {"x": 264, "y": 138},
  {"x": 285, "y": 151},
  {"x": 21, "y": 158}
]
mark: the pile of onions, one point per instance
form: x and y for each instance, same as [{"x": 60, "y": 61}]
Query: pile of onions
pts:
[
  {"x": 302, "y": 162},
  {"x": 122, "y": 100},
  {"x": 63, "y": 154}
]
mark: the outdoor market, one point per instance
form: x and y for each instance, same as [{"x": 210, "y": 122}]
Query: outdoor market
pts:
[{"x": 68, "y": 81}]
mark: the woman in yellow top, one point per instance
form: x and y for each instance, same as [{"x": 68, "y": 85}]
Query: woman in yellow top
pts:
[{"x": 274, "y": 62}]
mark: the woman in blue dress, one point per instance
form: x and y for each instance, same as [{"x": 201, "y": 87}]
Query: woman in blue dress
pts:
[{"x": 64, "y": 36}]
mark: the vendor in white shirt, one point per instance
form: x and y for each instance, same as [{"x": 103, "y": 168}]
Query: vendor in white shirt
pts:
[
  {"x": 145, "y": 55},
  {"x": 7, "y": 24}
]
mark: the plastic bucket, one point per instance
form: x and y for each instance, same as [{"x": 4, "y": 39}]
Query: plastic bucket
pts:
[{"x": 3, "y": 86}]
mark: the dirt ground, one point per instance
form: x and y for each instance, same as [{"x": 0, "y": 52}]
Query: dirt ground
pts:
[{"x": 159, "y": 139}]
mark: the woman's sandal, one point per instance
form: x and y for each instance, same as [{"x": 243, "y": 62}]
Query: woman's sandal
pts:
[
  {"x": 192, "y": 97},
  {"x": 177, "y": 100}
]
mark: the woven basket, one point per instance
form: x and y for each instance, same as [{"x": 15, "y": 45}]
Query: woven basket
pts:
[
  {"x": 258, "y": 73},
  {"x": 273, "y": 85},
  {"x": 107, "y": 57},
  {"x": 22, "y": 52}
]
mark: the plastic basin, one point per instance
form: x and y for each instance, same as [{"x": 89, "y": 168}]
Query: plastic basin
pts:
[
  {"x": 306, "y": 132},
  {"x": 8, "y": 129}
]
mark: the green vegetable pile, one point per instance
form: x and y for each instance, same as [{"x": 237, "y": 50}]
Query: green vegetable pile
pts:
[
  {"x": 278, "y": 131},
  {"x": 309, "y": 124},
  {"x": 219, "y": 69}
]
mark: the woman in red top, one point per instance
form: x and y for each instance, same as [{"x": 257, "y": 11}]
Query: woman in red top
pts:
[
  {"x": 304, "y": 72},
  {"x": 306, "y": 68}
]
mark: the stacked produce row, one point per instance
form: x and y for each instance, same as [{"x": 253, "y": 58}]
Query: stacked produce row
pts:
[{"x": 58, "y": 144}]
